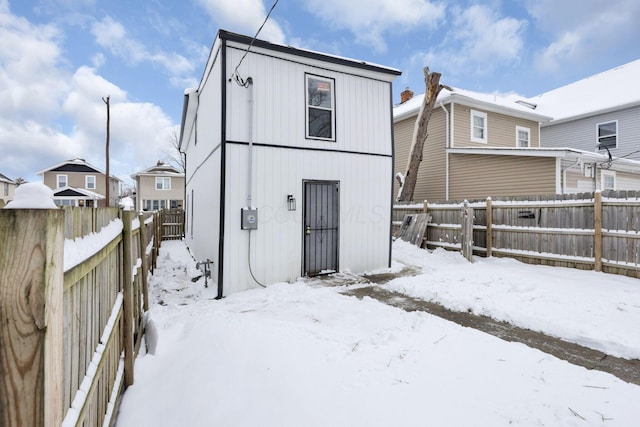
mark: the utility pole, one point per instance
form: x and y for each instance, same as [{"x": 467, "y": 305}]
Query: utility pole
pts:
[{"x": 107, "y": 178}]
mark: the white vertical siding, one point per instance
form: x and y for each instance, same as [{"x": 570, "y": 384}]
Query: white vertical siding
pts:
[
  {"x": 203, "y": 172},
  {"x": 363, "y": 120},
  {"x": 277, "y": 245}
]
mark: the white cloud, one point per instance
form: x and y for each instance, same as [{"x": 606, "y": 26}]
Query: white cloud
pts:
[
  {"x": 112, "y": 36},
  {"x": 480, "y": 40},
  {"x": 370, "y": 21},
  {"x": 31, "y": 67},
  {"x": 584, "y": 31},
  {"x": 245, "y": 16}
]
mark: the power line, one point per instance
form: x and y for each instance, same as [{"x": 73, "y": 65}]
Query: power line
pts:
[{"x": 235, "y": 74}]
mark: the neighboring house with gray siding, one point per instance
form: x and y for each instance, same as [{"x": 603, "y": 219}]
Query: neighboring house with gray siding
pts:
[
  {"x": 7, "y": 189},
  {"x": 599, "y": 114},
  {"x": 78, "y": 183},
  {"x": 159, "y": 187}
]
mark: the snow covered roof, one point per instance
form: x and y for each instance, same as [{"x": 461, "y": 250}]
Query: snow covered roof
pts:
[
  {"x": 4, "y": 178},
  {"x": 76, "y": 192},
  {"x": 610, "y": 90},
  {"x": 509, "y": 104},
  {"x": 159, "y": 170}
]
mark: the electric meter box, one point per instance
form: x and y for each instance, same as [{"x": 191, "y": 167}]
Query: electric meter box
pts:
[{"x": 249, "y": 218}]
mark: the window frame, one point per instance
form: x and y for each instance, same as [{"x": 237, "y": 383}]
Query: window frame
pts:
[
  {"x": 163, "y": 180},
  {"x": 476, "y": 113},
  {"x": 6, "y": 189},
  {"x": 600, "y": 146},
  {"x": 66, "y": 180},
  {"x": 331, "y": 109},
  {"x": 86, "y": 182},
  {"x": 604, "y": 174},
  {"x": 523, "y": 129}
]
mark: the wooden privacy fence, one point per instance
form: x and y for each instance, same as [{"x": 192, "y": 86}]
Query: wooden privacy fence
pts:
[
  {"x": 587, "y": 231},
  {"x": 171, "y": 224},
  {"x": 73, "y": 290}
]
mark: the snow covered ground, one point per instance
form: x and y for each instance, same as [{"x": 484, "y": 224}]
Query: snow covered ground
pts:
[{"x": 304, "y": 355}]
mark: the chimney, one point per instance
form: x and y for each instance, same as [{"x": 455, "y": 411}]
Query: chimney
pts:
[
  {"x": 405, "y": 95},
  {"x": 160, "y": 163}
]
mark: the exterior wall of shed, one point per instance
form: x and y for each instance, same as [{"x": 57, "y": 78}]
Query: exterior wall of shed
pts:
[
  {"x": 582, "y": 133},
  {"x": 431, "y": 183},
  {"x": 501, "y": 129},
  {"x": 277, "y": 245},
  {"x": 480, "y": 176}
]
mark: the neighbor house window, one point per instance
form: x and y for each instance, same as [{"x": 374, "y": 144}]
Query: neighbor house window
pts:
[
  {"x": 523, "y": 137},
  {"x": 607, "y": 180},
  {"x": 320, "y": 108},
  {"x": 163, "y": 183},
  {"x": 478, "y": 126},
  {"x": 6, "y": 188},
  {"x": 62, "y": 181},
  {"x": 90, "y": 182},
  {"x": 607, "y": 135}
]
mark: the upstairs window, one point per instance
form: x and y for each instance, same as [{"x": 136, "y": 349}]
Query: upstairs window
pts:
[
  {"x": 90, "y": 182},
  {"x": 163, "y": 183},
  {"x": 320, "y": 108},
  {"x": 523, "y": 137},
  {"x": 6, "y": 188},
  {"x": 478, "y": 126},
  {"x": 607, "y": 135},
  {"x": 61, "y": 181}
]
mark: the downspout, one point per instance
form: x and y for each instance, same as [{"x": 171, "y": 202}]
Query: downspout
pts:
[
  {"x": 446, "y": 146},
  {"x": 250, "y": 161},
  {"x": 563, "y": 174}
]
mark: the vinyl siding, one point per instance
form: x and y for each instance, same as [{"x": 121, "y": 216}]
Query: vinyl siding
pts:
[
  {"x": 481, "y": 176},
  {"x": 432, "y": 172},
  {"x": 501, "y": 129},
  {"x": 582, "y": 133}
]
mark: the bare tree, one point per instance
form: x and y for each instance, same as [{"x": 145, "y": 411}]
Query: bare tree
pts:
[
  {"x": 408, "y": 181},
  {"x": 173, "y": 156}
]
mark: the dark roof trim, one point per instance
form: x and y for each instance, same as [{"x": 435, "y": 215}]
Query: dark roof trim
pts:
[{"x": 238, "y": 38}]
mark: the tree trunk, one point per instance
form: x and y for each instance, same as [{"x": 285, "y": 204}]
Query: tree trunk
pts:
[{"x": 433, "y": 88}]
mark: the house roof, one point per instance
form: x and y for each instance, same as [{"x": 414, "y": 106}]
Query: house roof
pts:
[
  {"x": 4, "y": 178},
  {"x": 75, "y": 165},
  {"x": 76, "y": 192},
  {"x": 510, "y": 104},
  {"x": 610, "y": 90},
  {"x": 159, "y": 170},
  {"x": 571, "y": 154}
]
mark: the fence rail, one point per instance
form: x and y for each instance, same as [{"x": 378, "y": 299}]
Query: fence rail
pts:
[
  {"x": 68, "y": 349},
  {"x": 586, "y": 231}
]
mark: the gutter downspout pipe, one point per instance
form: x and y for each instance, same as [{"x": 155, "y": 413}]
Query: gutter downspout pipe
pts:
[{"x": 446, "y": 155}]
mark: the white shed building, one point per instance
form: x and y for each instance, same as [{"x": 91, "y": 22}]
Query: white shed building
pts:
[{"x": 289, "y": 158}]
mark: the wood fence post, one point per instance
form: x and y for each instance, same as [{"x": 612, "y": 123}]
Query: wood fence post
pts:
[
  {"x": 489, "y": 215},
  {"x": 467, "y": 231},
  {"x": 425, "y": 206},
  {"x": 145, "y": 262},
  {"x": 31, "y": 317},
  {"x": 128, "y": 300},
  {"x": 597, "y": 231}
]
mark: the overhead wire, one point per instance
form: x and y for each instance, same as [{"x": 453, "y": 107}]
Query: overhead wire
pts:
[{"x": 236, "y": 74}]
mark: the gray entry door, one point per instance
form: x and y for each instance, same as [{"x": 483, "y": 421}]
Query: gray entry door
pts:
[{"x": 321, "y": 220}]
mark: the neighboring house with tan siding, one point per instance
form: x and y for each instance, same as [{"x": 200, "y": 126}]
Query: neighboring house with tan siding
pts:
[
  {"x": 482, "y": 145},
  {"x": 78, "y": 183},
  {"x": 7, "y": 189},
  {"x": 598, "y": 114},
  {"x": 159, "y": 187}
]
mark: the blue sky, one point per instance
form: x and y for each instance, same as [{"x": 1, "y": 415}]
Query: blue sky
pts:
[{"x": 58, "y": 58}]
